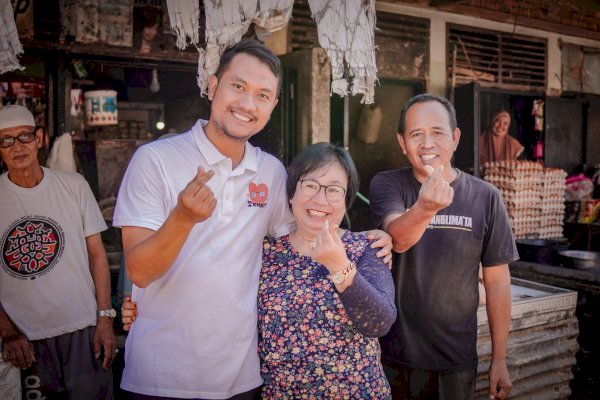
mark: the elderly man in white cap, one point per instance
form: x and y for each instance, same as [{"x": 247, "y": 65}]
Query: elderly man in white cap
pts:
[{"x": 55, "y": 306}]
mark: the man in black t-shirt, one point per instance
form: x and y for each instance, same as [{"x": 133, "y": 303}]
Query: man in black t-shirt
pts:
[{"x": 444, "y": 223}]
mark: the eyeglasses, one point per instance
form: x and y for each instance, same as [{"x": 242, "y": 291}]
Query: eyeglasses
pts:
[
  {"x": 333, "y": 193},
  {"x": 9, "y": 141}
]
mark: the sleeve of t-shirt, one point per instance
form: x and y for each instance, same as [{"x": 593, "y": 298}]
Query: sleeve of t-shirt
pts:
[
  {"x": 141, "y": 198},
  {"x": 369, "y": 301},
  {"x": 499, "y": 244},
  {"x": 282, "y": 221},
  {"x": 93, "y": 221},
  {"x": 384, "y": 197}
]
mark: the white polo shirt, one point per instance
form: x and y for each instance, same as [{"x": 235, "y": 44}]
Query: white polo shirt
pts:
[{"x": 196, "y": 333}]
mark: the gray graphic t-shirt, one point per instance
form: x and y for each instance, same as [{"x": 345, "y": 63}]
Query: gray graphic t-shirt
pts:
[{"x": 436, "y": 280}]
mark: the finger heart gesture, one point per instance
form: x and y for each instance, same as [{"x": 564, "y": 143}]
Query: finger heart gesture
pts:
[
  {"x": 328, "y": 249},
  {"x": 436, "y": 193},
  {"x": 197, "y": 201}
]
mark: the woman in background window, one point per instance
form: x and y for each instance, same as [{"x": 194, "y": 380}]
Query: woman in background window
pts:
[{"x": 496, "y": 144}]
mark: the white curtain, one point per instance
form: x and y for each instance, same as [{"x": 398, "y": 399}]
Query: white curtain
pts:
[
  {"x": 226, "y": 23},
  {"x": 10, "y": 46},
  {"x": 184, "y": 15},
  {"x": 345, "y": 29}
]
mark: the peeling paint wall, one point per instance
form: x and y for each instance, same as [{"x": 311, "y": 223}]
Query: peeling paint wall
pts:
[{"x": 313, "y": 102}]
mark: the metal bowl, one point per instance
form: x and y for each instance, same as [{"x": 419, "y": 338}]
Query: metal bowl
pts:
[{"x": 580, "y": 259}]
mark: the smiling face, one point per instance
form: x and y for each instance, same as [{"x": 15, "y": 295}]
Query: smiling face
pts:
[
  {"x": 500, "y": 125},
  {"x": 428, "y": 138},
  {"x": 149, "y": 32},
  {"x": 21, "y": 157},
  {"x": 311, "y": 211},
  {"x": 243, "y": 98}
]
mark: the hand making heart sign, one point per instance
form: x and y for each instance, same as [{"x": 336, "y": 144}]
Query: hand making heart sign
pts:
[
  {"x": 435, "y": 193},
  {"x": 196, "y": 202},
  {"x": 327, "y": 248}
]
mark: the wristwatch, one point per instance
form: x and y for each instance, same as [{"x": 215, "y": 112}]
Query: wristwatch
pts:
[
  {"x": 340, "y": 276},
  {"x": 109, "y": 312}
]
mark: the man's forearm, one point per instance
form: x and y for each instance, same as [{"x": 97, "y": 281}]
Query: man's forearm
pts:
[
  {"x": 99, "y": 270},
  {"x": 407, "y": 229},
  {"x": 498, "y": 310},
  {"x": 7, "y": 327},
  {"x": 150, "y": 254}
]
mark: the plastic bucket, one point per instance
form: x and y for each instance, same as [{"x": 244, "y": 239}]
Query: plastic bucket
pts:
[{"x": 100, "y": 107}]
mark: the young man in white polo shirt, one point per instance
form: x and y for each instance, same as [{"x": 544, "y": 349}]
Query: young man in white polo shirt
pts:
[{"x": 194, "y": 210}]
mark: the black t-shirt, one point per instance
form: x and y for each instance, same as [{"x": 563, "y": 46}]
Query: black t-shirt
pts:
[{"x": 436, "y": 279}]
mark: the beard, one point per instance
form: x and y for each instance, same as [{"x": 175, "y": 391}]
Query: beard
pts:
[{"x": 221, "y": 130}]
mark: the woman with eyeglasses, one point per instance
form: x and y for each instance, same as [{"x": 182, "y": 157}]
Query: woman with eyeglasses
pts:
[{"x": 324, "y": 297}]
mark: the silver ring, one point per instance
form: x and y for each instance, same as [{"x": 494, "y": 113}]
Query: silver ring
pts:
[
  {"x": 313, "y": 245},
  {"x": 116, "y": 351}
]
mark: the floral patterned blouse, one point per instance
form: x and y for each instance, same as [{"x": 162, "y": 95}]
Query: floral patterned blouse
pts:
[{"x": 316, "y": 343}]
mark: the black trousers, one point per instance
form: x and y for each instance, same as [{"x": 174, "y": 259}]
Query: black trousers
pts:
[
  {"x": 67, "y": 368},
  {"x": 407, "y": 383}
]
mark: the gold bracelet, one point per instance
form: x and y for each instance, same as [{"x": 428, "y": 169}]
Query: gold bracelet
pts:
[{"x": 340, "y": 276}]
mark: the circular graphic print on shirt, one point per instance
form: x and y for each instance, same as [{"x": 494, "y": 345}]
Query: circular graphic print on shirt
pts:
[{"x": 31, "y": 247}]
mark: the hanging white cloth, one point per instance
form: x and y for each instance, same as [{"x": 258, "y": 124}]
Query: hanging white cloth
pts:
[
  {"x": 10, "y": 46},
  {"x": 346, "y": 30},
  {"x": 226, "y": 23},
  {"x": 61, "y": 155},
  {"x": 184, "y": 18}
]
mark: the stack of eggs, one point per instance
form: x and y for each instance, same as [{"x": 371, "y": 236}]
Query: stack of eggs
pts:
[
  {"x": 553, "y": 204},
  {"x": 520, "y": 183}
]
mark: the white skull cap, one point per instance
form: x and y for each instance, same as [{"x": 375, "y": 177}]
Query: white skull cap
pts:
[{"x": 14, "y": 115}]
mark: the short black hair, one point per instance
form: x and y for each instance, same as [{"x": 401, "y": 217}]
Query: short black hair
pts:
[
  {"x": 422, "y": 98},
  {"x": 317, "y": 156},
  {"x": 256, "y": 49}
]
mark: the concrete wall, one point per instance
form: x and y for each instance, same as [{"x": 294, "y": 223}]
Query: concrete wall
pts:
[
  {"x": 593, "y": 132},
  {"x": 313, "y": 101},
  {"x": 437, "y": 66}
]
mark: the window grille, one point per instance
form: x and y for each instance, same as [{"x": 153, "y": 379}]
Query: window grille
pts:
[{"x": 497, "y": 59}]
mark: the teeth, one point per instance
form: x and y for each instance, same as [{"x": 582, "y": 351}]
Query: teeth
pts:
[
  {"x": 317, "y": 213},
  {"x": 428, "y": 157},
  {"x": 241, "y": 117}
]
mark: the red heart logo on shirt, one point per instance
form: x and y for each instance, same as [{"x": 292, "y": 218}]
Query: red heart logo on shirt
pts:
[{"x": 258, "y": 193}]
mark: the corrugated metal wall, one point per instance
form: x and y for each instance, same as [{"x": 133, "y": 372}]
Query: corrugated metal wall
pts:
[{"x": 541, "y": 345}]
